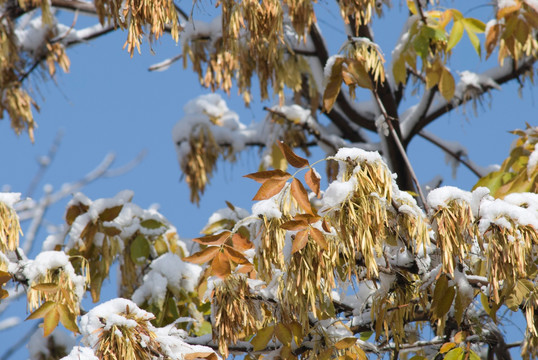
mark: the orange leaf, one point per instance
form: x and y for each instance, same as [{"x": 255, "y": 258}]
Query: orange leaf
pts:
[
  {"x": 218, "y": 239},
  {"x": 293, "y": 159},
  {"x": 203, "y": 256},
  {"x": 300, "y": 241},
  {"x": 299, "y": 193},
  {"x": 294, "y": 225},
  {"x": 309, "y": 218},
  {"x": 220, "y": 266},
  {"x": 4, "y": 277},
  {"x": 269, "y": 189},
  {"x": 313, "y": 181},
  {"x": 240, "y": 242},
  {"x": 51, "y": 321},
  {"x": 263, "y": 176},
  {"x": 325, "y": 225},
  {"x": 318, "y": 238},
  {"x": 235, "y": 255}
]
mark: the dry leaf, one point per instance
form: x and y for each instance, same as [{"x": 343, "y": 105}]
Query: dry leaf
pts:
[
  {"x": 299, "y": 193},
  {"x": 292, "y": 158},
  {"x": 269, "y": 189}
]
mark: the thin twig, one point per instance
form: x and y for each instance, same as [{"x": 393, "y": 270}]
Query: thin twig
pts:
[
  {"x": 44, "y": 164},
  {"x": 396, "y": 139}
]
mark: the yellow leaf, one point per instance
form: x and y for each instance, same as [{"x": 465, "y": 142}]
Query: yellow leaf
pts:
[
  {"x": 42, "y": 311},
  {"x": 46, "y": 287},
  {"x": 474, "y": 25},
  {"x": 345, "y": 343},
  {"x": 299, "y": 193},
  {"x": 447, "y": 85},
  {"x": 269, "y": 189},
  {"x": 262, "y": 338},
  {"x": 455, "y": 35},
  {"x": 51, "y": 320},
  {"x": 300, "y": 241},
  {"x": 283, "y": 334},
  {"x": 68, "y": 319},
  {"x": 277, "y": 159},
  {"x": 203, "y": 256},
  {"x": 447, "y": 347},
  {"x": 443, "y": 295},
  {"x": 292, "y": 158},
  {"x": 474, "y": 41}
]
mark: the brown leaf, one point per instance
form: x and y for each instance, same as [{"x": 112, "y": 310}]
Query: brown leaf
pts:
[
  {"x": 110, "y": 213},
  {"x": 313, "y": 181},
  {"x": 319, "y": 238},
  {"x": 294, "y": 225},
  {"x": 220, "y": 266},
  {"x": 241, "y": 242},
  {"x": 334, "y": 84},
  {"x": 300, "y": 241},
  {"x": 325, "y": 225},
  {"x": 301, "y": 196},
  {"x": 202, "y": 256},
  {"x": 309, "y": 218},
  {"x": 263, "y": 176},
  {"x": 236, "y": 256},
  {"x": 269, "y": 189},
  {"x": 292, "y": 158},
  {"x": 218, "y": 239},
  {"x": 200, "y": 355},
  {"x": 51, "y": 321}
]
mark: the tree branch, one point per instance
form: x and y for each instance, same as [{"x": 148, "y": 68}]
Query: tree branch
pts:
[{"x": 498, "y": 74}]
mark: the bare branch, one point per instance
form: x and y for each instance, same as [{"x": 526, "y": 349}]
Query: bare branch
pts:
[{"x": 469, "y": 165}]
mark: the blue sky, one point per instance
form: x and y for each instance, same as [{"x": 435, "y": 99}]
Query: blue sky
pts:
[{"x": 112, "y": 103}]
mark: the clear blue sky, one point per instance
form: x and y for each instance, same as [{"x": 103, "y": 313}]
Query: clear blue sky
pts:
[{"x": 111, "y": 103}]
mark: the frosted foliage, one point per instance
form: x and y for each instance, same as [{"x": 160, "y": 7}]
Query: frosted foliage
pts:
[
  {"x": 167, "y": 271},
  {"x": 496, "y": 211},
  {"x": 337, "y": 193},
  {"x": 81, "y": 353},
  {"x": 479, "y": 81},
  {"x": 227, "y": 213},
  {"x": 438, "y": 198},
  {"x": 50, "y": 260},
  {"x": 108, "y": 314},
  {"x": 506, "y": 3},
  {"x": 294, "y": 112},
  {"x": 358, "y": 154},
  {"x": 9, "y": 198}
]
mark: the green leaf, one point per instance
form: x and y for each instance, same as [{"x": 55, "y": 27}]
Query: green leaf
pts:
[
  {"x": 140, "y": 249},
  {"x": 204, "y": 329},
  {"x": 262, "y": 338},
  {"x": 364, "y": 336},
  {"x": 151, "y": 224},
  {"x": 455, "y": 354},
  {"x": 455, "y": 35},
  {"x": 491, "y": 310}
]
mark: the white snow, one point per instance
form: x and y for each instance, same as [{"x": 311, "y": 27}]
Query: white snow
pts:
[
  {"x": 9, "y": 322},
  {"x": 10, "y": 198},
  {"x": 358, "y": 154},
  {"x": 478, "y": 81},
  {"x": 337, "y": 192},
  {"x": 506, "y": 3},
  {"x": 498, "y": 212},
  {"x": 49, "y": 260},
  {"x": 438, "y": 198},
  {"x": 81, "y": 353},
  {"x": 167, "y": 271}
]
